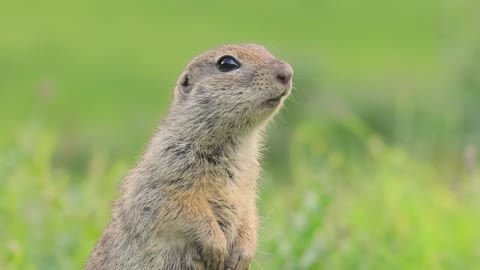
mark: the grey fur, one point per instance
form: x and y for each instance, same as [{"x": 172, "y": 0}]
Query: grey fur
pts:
[{"x": 189, "y": 203}]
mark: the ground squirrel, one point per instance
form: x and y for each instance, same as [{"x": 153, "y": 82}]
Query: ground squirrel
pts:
[{"x": 190, "y": 203}]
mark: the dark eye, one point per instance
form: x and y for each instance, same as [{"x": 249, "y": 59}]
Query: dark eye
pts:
[{"x": 227, "y": 63}]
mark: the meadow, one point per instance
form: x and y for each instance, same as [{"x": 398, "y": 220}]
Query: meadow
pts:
[{"x": 373, "y": 163}]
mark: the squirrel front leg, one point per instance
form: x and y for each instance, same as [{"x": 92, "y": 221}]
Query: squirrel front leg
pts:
[
  {"x": 193, "y": 217},
  {"x": 212, "y": 245},
  {"x": 244, "y": 247}
]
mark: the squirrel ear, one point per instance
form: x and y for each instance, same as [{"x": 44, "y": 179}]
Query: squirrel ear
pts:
[{"x": 184, "y": 84}]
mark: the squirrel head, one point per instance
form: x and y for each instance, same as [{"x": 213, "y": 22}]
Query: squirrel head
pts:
[{"x": 232, "y": 88}]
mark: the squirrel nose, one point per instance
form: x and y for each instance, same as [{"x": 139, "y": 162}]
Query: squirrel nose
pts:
[
  {"x": 284, "y": 73},
  {"x": 284, "y": 77}
]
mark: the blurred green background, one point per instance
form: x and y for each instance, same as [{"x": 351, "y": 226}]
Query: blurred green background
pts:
[{"x": 371, "y": 165}]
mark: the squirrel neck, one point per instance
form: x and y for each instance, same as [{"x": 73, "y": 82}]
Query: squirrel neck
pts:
[{"x": 183, "y": 148}]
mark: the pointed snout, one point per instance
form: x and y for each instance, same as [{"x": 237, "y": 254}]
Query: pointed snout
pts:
[{"x": 283, "y": 72}]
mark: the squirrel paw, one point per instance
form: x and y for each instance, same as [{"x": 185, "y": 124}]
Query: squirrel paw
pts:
[
  {"x": 213, "y": 256},
  {"x": 238, "y": 260}
]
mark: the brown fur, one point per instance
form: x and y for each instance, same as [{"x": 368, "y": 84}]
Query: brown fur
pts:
[{"x": 190, "y": 201}]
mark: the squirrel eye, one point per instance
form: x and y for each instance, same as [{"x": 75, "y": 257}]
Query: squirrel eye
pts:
[{"x": 227, "y": 63}]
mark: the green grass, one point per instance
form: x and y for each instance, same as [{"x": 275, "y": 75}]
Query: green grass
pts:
[
  {"x": 372, "y": 165},
  {"x": 388, "y": 210}
]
